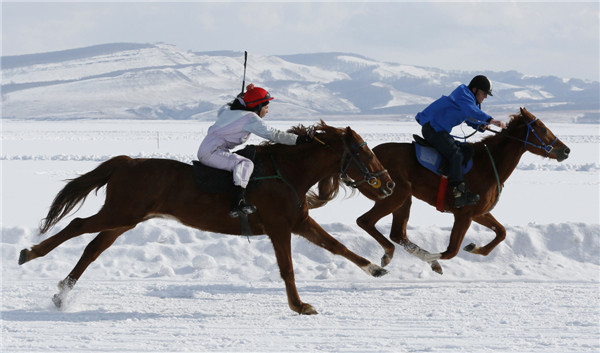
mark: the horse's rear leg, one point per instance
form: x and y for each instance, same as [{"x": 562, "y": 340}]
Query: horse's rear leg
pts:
[
  {"x": 400, "y": 221},
  {"x": 283, "y": 252},
  {"x": 399, "y": 235},
  {"x": 94, "y": 224},
  {"x": 487, "y": 220},
  {"x": 312, "y": 231},
  {"x": 459, "y": 229},
  {"x": 77, "y": 227},
  {"x": 100, "y": 243}
]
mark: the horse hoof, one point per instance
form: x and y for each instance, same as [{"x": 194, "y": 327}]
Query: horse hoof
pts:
[
  {"x": 24, "y": 256},
  {"x": 385, "y": 260},
  {"x": 57, "y": 300},
  {"x": 436, "y": 267},
  {"x": 308, "y": 309},
  {"x": 380, "y": 272},
  {"x": 374, "y": 270},
  {"x": 470, "y": 247}
]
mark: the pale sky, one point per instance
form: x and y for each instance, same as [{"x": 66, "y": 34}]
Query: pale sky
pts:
[{"x": 536, "y": 38}]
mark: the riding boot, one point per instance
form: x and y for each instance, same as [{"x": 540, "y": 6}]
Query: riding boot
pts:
[
  {"x": 239, "y": 204},
  {"x": 463, "y": 196}
]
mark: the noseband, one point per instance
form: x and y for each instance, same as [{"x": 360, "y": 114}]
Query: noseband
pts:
[
  {"x": 350, "y": 156},
  {"x": 547, "y": 148}
]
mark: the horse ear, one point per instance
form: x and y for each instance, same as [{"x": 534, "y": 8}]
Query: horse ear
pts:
[
  {"x": 523, "y": 110},
  {"x": 348, "y": 131}
]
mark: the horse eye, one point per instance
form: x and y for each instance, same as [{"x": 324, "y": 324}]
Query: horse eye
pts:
[{"x": 544, "y": 131}]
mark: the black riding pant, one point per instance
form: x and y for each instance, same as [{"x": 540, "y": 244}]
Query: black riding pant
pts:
[{"x": 450, "y": 149}]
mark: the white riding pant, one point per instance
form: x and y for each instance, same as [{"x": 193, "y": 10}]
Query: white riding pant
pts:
[{"x": 241, "y": 167}]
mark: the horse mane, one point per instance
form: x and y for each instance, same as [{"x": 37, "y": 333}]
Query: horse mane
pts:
[
  {"x": 516, "y": 122},
  {"x": 301, "y": 130},
  {"x": 328, "y": 187}
]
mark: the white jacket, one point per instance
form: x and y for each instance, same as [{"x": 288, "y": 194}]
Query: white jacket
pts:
[{"x": 233, "y": 127}]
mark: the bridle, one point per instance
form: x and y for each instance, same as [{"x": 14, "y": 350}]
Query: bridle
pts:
[
  {"x": 542, "y": 145},
  {"x": 547, "y": 148},
  {"x": 352, "y": 156}
]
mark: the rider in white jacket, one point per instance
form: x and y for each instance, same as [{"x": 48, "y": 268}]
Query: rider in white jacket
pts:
[{"x": 235, "y": 122}]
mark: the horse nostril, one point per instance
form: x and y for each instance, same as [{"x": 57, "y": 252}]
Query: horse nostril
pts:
[
  {"x": 391, "y": 185},
  {"x": 567, "y": 151}
]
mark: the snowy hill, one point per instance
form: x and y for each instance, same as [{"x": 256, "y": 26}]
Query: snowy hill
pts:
[{"x": 160, "y": 81}]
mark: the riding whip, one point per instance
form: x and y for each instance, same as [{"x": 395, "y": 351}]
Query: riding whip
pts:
[{"x": 244, "y": 79}]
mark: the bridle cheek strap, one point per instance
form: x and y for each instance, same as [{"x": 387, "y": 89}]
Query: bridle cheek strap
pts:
[
  {"x": 543, "y": 146},
  {"x": 370, "y": 178}
]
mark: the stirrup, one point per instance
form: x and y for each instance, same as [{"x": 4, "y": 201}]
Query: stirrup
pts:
[
  {"x": 463, "y": 196},
  {"x": 466, "y": 199},
  {"x": 242, "y": 208}
]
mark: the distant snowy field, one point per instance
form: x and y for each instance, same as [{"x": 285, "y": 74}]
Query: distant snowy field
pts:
[{"x": 164, "y": 287}]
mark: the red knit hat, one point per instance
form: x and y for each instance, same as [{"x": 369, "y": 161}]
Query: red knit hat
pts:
[{"x": 255, "y": 96}]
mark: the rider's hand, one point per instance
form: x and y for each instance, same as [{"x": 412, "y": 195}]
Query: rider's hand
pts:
[
  {"x": 499, "y": 123},
  {"x": 303, "y": 139}
]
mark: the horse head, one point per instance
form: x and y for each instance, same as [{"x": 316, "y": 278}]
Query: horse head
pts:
[
  {"x": 538, "y": 138},
  {"x": 359, "y": 167},
  {"x": 375, "y": 178}
]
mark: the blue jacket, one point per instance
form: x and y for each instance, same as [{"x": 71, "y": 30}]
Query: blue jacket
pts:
[{"x": 449, "y": 111}]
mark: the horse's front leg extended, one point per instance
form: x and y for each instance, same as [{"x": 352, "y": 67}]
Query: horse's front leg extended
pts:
[
  {"x": 487, "y": 220},
  {"x": 312, "y": 231}
]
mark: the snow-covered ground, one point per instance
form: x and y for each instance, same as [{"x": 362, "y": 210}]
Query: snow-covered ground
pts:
[{"x": 163, "y": 287}]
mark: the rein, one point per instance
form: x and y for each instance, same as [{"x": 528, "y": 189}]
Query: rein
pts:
[
  {"x": 279, "y": 176},
  {"x": 497, "y": 177},
  {"x": 370, "y": 178}
]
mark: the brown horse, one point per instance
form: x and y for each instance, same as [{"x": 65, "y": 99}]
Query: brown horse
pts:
[
  {"x": 141, "y": 189},
  {"x": 494, "y": 159}
]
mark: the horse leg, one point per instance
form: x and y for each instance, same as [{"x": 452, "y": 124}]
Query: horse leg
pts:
[
  {"x": 368, "y": 220},
  {"x": 313, "y": 232},
  {"x": 283, "y": 252},
  {"x": 399, "y": 223},
  {"x": 459, "y": 229},
  {"x": 96, "y": 223},
  {"x": 399, "y": 235},
  {"x": 456, "y": 237},
  {"x": 100, "y": 243},
  {"x": 487, "y": 220},
  {"x": 77, "y": 227}
]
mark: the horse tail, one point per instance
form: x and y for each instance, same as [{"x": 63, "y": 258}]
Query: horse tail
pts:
[
  {"x": 327, "y": 189},
  {"x": 78, "y": 189}
]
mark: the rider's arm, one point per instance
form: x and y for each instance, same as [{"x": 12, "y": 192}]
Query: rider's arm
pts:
[{"x": 258, "y": 127}]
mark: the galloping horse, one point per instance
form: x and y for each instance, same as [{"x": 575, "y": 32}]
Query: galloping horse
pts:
[
  {"x": 494, "y": 159},
  {"x": 141, "y": 189}
]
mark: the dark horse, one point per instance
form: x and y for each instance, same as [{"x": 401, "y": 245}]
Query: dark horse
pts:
[
  {"x": 494, "y": 159},
  {"x": 141, "y": 189}
]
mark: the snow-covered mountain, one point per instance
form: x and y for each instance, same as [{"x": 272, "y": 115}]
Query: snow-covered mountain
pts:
[{"x": 160, "y": 81}]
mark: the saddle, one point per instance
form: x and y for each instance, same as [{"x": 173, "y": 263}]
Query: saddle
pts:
[
  {"x": 431, "y": 159},
  {"x": 215, "y": 180}
]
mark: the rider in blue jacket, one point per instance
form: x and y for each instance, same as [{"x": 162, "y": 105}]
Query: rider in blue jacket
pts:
[{"x": 438, "y": 119}]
